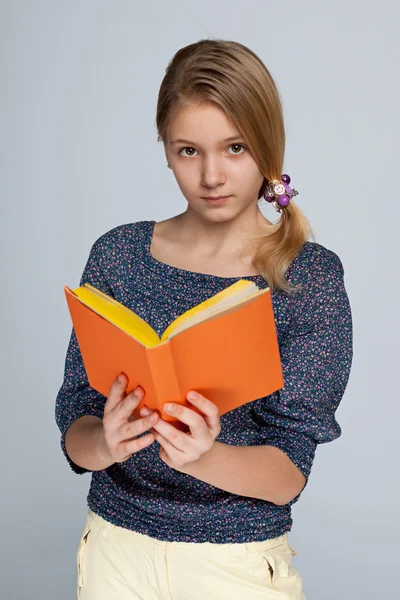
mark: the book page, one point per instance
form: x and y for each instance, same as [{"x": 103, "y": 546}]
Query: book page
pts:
[
  {"x": 118, "y": 314},
  {"x": 231, "y": 297}
]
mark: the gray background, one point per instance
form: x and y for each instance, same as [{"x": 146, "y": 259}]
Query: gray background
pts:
[{"x": 79, "y": 84}]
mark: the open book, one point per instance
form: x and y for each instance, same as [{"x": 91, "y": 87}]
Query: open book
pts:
[{"x": 225, "y": 348}]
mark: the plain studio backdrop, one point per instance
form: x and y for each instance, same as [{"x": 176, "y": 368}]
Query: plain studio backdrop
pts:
[{"x": 79, "y": 156}]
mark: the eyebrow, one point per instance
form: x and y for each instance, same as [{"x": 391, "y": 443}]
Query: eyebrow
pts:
[{"x": 230, "y": 139}]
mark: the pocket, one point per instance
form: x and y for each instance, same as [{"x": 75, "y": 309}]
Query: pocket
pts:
[
  {"x": 80, "y": 557},
  {"x": 283, "y": 576}
]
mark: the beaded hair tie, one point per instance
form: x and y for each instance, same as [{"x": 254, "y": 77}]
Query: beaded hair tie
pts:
[{"x": 279, "y": 193}]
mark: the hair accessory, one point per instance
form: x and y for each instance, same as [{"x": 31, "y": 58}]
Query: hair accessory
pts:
[{"x": 279, "y": 193}]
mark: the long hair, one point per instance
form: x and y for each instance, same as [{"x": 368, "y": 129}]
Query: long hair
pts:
[{"x": 234, "y": 77}]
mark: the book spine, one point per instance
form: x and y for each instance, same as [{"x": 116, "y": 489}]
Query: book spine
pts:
[{"x": 164, "y": 376}]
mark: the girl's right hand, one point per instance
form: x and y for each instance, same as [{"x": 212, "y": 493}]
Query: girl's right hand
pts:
[{"x": 119, "y": 430}]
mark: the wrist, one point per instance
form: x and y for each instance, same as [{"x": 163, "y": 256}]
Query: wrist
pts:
[
  {"x": 103, "y": 454},
  {"x": 193, "y": 467}
]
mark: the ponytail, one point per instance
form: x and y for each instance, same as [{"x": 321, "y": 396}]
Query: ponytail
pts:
[{"x": 279, "y": 246}]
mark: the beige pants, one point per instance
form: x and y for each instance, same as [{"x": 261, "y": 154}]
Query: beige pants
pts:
[{"x": 115, "y": 563}]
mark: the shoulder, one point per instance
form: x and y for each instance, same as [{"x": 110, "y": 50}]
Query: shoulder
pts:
[
  {"x": 118, "y": 241},
  {"x": 313, "y": 264},
  {"x": 318, "y": 274},
  {"x": 322, "y": 299},
  {"x": 114, "y": 236}
]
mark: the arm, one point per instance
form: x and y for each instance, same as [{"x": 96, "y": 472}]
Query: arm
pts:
[
  {"x": 263, "y": 472},
  {"x": 76, "y": 398},
  {"x": 316, "y": 355},
  {"x": 85, "y": 444}
]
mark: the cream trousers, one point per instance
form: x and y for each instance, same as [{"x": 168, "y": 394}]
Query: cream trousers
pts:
[{"x": 114, "y": 563}]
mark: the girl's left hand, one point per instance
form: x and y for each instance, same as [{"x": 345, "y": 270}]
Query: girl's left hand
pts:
[{"x": 178, "y": 448}]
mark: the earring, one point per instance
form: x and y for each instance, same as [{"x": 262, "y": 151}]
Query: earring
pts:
[{"x": 169, "y": 166}]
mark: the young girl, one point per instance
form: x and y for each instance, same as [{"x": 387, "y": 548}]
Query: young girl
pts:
[{"x": 206, "y": 514}]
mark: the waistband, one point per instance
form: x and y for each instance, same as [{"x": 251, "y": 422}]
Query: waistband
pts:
[{"x": 239, "y": 550}]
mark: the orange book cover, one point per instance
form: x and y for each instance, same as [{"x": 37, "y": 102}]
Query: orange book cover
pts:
[{"x": 231, "y": 358}]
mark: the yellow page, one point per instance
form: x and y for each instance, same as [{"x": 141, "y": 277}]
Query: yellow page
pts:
[
  {"x": 118, "y": 314},
  {"x": 222, "y": 295}
]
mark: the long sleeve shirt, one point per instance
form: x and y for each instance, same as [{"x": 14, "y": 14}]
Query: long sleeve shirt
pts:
[{"x": 314, "y": 329}]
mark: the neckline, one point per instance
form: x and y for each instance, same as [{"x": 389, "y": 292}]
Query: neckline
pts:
[{"x": 156, "y": 264}]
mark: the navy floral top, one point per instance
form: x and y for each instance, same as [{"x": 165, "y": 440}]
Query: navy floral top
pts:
[{"x": 315, "y": 339}]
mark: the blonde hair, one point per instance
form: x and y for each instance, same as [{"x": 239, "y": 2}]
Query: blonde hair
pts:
[{"x": 232, "y": 76}]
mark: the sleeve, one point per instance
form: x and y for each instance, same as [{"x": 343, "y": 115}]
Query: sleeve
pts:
[
  {"x": 316, "y": 356},
  {"x": 76, "y": 398}
]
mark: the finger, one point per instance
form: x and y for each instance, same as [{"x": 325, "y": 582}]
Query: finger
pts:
[
  {"x": 124, "y": 408},
  {"x": 196, "y": 422},
  {"x": 133, "y": 446},
  {"x": 208, "y": 408},
  {"x": 117, "y": 393},
  {"x": 180, "y": 440},
  {"x": 130, "y": 403},
  {"x": 139, "y": 426},
  {"x": 174, "y": 454}
]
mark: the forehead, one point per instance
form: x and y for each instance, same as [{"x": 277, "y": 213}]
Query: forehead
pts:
[{"x": 202, "y": 122}]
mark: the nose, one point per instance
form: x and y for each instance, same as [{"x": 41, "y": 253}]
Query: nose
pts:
[{"x": 212, "y": 176}]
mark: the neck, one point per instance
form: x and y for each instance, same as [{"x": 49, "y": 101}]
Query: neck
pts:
[{"x": 221, "y": 236}]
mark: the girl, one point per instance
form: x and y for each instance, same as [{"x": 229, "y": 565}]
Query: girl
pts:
[{"x": 206, "y": 514}]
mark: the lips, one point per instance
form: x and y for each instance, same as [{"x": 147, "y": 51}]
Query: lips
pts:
[
  {"x": 216, "y": 202},
  {"x": 214, "y": 197}
]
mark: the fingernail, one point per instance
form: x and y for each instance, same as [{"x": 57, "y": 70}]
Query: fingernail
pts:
[
  {"x": 168, "y": 407},
  {"x": 136, "y": 392},
  {"x": 120, "y": 378}
]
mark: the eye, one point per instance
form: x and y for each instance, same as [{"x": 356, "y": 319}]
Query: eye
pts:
[
  {"x": 193, "y": 150},
  {"x": 186, "y": 148},
  {"x": 236, "y": 146}
]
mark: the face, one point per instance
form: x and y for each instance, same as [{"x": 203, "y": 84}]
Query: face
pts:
[{"x": 209, "y": 157}]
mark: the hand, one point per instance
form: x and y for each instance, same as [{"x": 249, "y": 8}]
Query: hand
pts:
[
  {"x": 178, "y": 448},
  {"x": 119, "y": 428}
]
